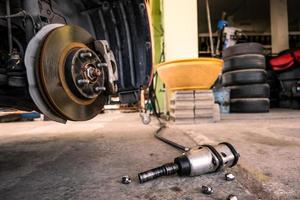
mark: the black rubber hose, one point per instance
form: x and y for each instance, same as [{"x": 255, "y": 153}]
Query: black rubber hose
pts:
[{"x": 167, "y": 141}]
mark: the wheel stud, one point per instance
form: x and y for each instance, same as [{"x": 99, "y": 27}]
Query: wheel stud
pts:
[
  {"x": 86, "y": 55},
  {"x": 83, "y": 81},
  {"x": 100, "y": 65},
  {"x": 99, "y": 89}
]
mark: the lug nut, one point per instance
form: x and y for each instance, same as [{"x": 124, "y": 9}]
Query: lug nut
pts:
[
  {"x": 100, "y": 65},
  {"x": 100, "y": 89},
  {"x": 232, "y": 197},
  {"x": 83, "y": 81},
  {"x": 125, "y": 180},
  {"x": 229, "y": 177},
  {"x": 86, "y": 54},
  {"x": 207, "y": 190}
]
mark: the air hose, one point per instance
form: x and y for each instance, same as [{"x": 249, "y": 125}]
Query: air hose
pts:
[
  {"x": 167, "y": 141},
  {"x": 194, "y": 161}
]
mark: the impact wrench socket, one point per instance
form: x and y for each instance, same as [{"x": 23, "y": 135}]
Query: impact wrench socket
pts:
[{"x": 197, "y": 161}]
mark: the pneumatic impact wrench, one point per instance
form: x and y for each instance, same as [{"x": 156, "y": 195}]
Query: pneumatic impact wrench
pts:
[{"x": 197, "y": 161}]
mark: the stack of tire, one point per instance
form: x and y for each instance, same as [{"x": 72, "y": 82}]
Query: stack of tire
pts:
[{"x": 244, "y": 73}]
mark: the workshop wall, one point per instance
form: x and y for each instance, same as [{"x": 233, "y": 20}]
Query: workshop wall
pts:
[{"x": 181, "y": 29}]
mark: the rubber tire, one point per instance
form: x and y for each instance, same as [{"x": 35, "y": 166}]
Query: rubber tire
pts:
[
  {"x": 292, "y": 74},
  {"x": 3, "y": 79},
  {"x": 295, "y": 104},
  {"x": 20, "y": 73},
  {"x": 247, "y": 61},
  {"x": 254, "y": 105},
  {"x": 287, "y": 88},
  {"x": 17, "y": 81},
  {"x": 250, "y": 91},
  {"x": 243, "y": 48},
  {"x": 285, "y": 103},
  {"x": 290, "y": 104},
  {"x": 2, "y": 70},
  {"x": 244, "y": 77}
]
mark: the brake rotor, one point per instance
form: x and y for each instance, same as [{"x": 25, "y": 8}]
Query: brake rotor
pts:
[
  {"x": 68, "y": 74},
  {"x": 31, "y": 62}
]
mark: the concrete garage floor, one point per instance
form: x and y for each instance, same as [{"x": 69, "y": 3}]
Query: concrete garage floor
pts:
[{"x": 46, "y": 160}]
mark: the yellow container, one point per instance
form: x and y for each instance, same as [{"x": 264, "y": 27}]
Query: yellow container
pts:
[{"x": 190, "y": 74}]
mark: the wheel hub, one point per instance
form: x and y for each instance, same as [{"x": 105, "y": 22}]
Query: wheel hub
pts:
[{"x": 84, "y": 78}]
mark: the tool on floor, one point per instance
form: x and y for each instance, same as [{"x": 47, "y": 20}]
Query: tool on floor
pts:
[
  {"x": 126, "y": 180},
  {"x": 232, "y": 197},
  {"x": 207, "y": 190},
  {"x": 197, "y": 161},
  {"x": 229, "y": 177}
]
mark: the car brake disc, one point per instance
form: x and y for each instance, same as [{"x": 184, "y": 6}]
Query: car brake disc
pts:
[{"x": 69, "y": 74}]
